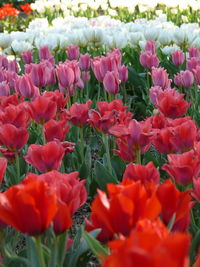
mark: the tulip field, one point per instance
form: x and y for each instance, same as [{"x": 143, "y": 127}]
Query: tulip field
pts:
[{"x": 100, "y": 133}]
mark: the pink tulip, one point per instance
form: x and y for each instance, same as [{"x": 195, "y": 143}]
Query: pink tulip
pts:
[
  {"x": 148, "y": 60},
  {"x": 107, "y": 64},
  {"x": 187, "y": 78},
  {"x": 4, "y": 89},
  {"x": 160, "y": 77},
  {"x": 150, "y": 47},
  {"x": 73, "y": 52},
  {"x": 197, "y": 74},
  {"x": 178, "y": 57},
  {"x": 84, "y": 62},
  {"x": 45, "y": 54},
  {"x": 111, "y": 82},
  {"x": 178, "y": 79},
  {"x": 116, "y": 56},
  {"x": 192, "y": 63},
  {"x": 26, "y": 88},
  {"x": 123, "y": 73},
  {"x": 65, "y": 75},
  {"x": 27, "y": 56},
  {"x": 193, "y": 52},
  {"x": 12, "y": 66},
  {"x": 3, "y": 62},
  {"x": 86, "y": 76},
  {"x": 96, "y": 69}
]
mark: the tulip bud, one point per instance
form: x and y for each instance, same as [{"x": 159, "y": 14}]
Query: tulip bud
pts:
[
  {"x": 187, "y": 78},
  {"x": 148, "y": 60},
  {"x": 178, "y": 57},
  {"x": 123, "y": 73},
  {"x": 197, "y": 74},
  {"x": 27, "y": 56},
  {"x": 25, "y": 87},
  {"x": 73, "y": 52},
  {"x": 160, "y": 77},
  {"x": 86, "y": 76},
  {"x": 193, "y": 52},
  {"x": 84, "y": 62},
  {"x": 4, "y": 89},
  {"x": 111, "y": 82}
]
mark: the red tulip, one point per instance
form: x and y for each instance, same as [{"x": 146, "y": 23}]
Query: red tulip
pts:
[
  {"x": 3, "y": 166},
  {"x": 56, "y": 97},
  {"x": 13, "y": 138},
  {"x": 29, "y": 207},
  {"x": 42, "y": 109},
  {"x": 127, "y": 203},
  {"x": 55, "y": 130},
  {"x": 71, "y": 195},
  {"x": 174, "y": 203},
  {"x": 183, "y": 167},
  {"x": 15, "y": 115},
  {"x": 47, "y": 157},
  {"x": 78, "y": 113},
  {"x": 147, "y": 248},
  {"x": 138, "y": 172}
]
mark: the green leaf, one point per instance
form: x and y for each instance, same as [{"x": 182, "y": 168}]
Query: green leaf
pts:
[
  {"x": 95, "y": 245},
  {"x": 194, "y": 246},
  {"x": 103, "y": 176}
]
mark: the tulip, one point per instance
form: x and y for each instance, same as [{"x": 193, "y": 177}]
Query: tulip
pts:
[
  {"x": 42, "y": 109},
  {"x": 138, "y": 172},
  {"x": 56, "y": 97},
  {"x": 73, "y": 52},
  {"x": 183, "y": 167},
  {"x": 3, "y": 166},
  {"x": 55, "y": 130},
  {"x": 4, "y": 89},
  {"x": 27, "y": 56},
  {"x": 192, "y": 63},
  {"x": 29, "y": 207},
  {"x": 45, "y": 158},
  {"x": 187, "y": 78},
  {"x": 119, "y": 213},
  {"x": 13, "y": 138},
  {"x": 85, "y": 76},
  {"x": 123, "y": 74},
  {"x": 25, "y": 87},
  {"x": 174, "y": 202},
  {"x": 84, "y": 62},
  {"x": 111, "y": 82},
  {"x": 197, "y": 74},
  {"x": 160, "y": 77},
  {"x": 150, "y": 47},
  {"x": 78, "y": 113},
  {"x": 12, "y": 66},
  {"x": 148, "y": 60},
  {"x": 71, "y": 195},
  {"x": 193, "y": 52},
  {"x": 178, "y": 57}
]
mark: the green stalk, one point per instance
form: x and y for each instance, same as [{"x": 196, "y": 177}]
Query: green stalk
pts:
[
  {"x": 82, "y": 143},
  {"x": 40, "y": 252},
  {"x": 42, "y": 134},
  {"x": 138, "y": 156},
  {"x": 17, "y": 167},
  {"x": 106, "y": 143}
]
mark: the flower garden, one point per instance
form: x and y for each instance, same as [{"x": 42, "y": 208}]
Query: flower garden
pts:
[{"x": 99, "y": 133}]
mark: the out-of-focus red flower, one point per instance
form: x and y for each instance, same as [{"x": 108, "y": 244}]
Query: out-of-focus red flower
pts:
[
  {"x": 13, "y": 138},
  {"x": 3, "y": 166},
  {"x": 26, "y": 8},
  {"x": 15, "y": 115},
  {"x": 127, "y": 203},
  {"x": 8, "y": 10},
  {"x": 47, "y": 157},
  {"x": 147, "y": 248},
  {"x": 42, "y": 109},
  {"x": 109, "y": 114},
  {"x": 183, "y": 167},
  {"x": 174, "y": 203},
  {"x": 55, "y": 130},
  {"x": 143, "y": 173},
  {"x": 78, "y": 113},
  {"x": 71, "y": 195},
  {"x": 29, "y": 207},
  {"x": 196, "y": 191}
]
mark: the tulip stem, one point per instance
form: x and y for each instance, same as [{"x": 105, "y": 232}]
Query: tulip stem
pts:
[
  {"x": 105, "y": 140},
  {"x": 40, "y": 252},
  {"x": 138, "y": 156},
  {"x": 17, "y": 167},
  {"x": 43, "y": 135},
  {"x": 82, "y": 143}
]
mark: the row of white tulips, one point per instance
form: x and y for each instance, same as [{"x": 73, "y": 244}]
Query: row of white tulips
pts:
[
  {"x": 70, "y": 6},
  {"x": 101, "y": 32}
]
